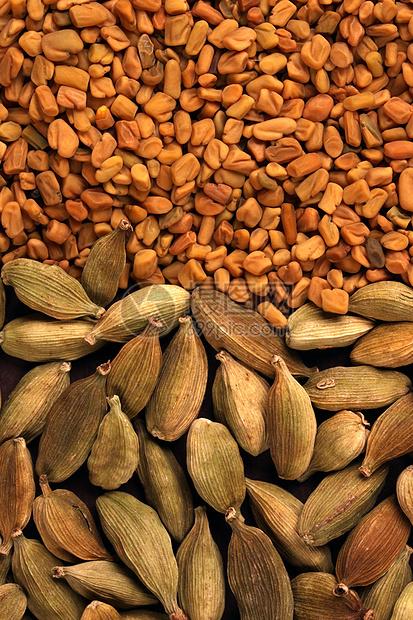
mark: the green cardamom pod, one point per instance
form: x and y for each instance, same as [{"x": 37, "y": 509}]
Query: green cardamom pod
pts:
[
  {"x": 240, "y": 398},
  {"x": 291, "y": 422},
  {"x": 165, "y": 485},
  {"x": 104, "y": 265},
  {"x": 66, "y": 526},
  {"x": 17, "y": 487},
  {"x": 135, "y": 369},
  {"x": 385, "y": 301},
  {"x": 13, "y": 602},
  {"x": 108, "y": 468},
  {"x": 404, "y": 491},
  {"x": 25, "y": 410},
  {"x": 127, "y": 317},
  {"x": 242, "y": 332},
  {"x": 309, "y": 327},
  {"x": 358, "y": 387},
  {"x": 49, "y": 289},
  {"x": 372, "y": 547},
  {"x": 256, "y": 574},
  {"x": 201, "y": 584},
  {"x": 47, "y": 598},
  {"x": 69, "y": 433},
  {"x": 403, "y": 609},
  {"x": 339, "y": 440},
  {"x": 391, "y": 435},
  {"x": 383, "y": 593},
  {"x": 389, "y": 345},
  {"x": 37, "y": 338},
  {"x": 337, "y": 503},
  {"x": 179, "y": 393},
  {"x": 143, "y": 544},
  {"x": 215, "y": 465},
  {"x": 106, "y": 581},
  {"x": 97, "y": 610},
  {"x": 314, "y": 600},
  {"x": 277, "y": 512}
]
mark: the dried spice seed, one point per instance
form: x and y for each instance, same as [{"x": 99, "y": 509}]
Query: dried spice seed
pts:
[
  {"x": 25, "y": 411},
  {"x": 165, "y": 484},
  {"x": 49, "y": 289},
  {"x": 201, "y": 584},
  {"x": 336, "y": 504},
  {"x": 239, "y": 398},
  {"x": 107, "y": 581},
  {"x": 292, "y": 424},
  {"x": 179, "y": 392},
  {"x": 277, "y": 512},
  {"x": 66, "y": 525},
  {"x": 372, "y": 547},
  {"x": 215, "y": 465}
]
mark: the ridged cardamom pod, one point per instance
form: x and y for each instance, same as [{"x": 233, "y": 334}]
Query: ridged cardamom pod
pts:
[
  {"x": 215, "y": 465},
  {"x": 201, "y": 584},
  {"x": 339, "y": 440},
  {"x": 106, "y": 581},
  {"x": 383, "y": 593},
  {"x": 37, "y": 338},
  {"x": 372, "y": 547},
  {"x": 13, "y": 602},
  {"x": 276, "y": 512},
  {"x": 242, "y": 332},
  {"x": 66, "y": 526},
  {"x": 142, "y": 614},
  {"x": 337, "y": 503},
  {"x": 49, "y": 289},
  {"x": 104, "y": 265},
  {"x": 25, "y": 410},
  {"x": 69, "y": 433},
  {"x": 403, "y": 609},
  {"x": 135, "y": 369},
  {"x": 314, "y": 600},
  {"x": 17, "y": 487},
  {"x": 143, "y": 544},
  {"x": 110, "y": 468},
  {"x": 385, "y": 301},
  {"x": 291, "y": 423},
  {"x": 358, "y": 387},
  {"x": 391, "y": 435},
  {"x": 97, "y": 610},
  {"x": 165, "y": 484},
  {"x": 404, "y": 491},
  {"x": 2, "y": 304},
  {"x": 240, "y": 397},
  {"x": 389, "y": 346},
  {"x": 178, "y": 395},
  {"x": 309, "y": 327},
  {"x": 126, "y": 318},
  {"x": 47, "y": 598},
  {"x": 256, "y": 574}
]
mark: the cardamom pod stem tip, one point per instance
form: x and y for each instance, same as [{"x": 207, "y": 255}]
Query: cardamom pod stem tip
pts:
[
  {"x": 341, "y": 589},
  {"x": 65, "y": 366},
  {"x": 44, "y": 486},
  {"x": 104, "y": 369},
  {"x": 125, "y": 225},
  {"x": 365, "y": 471},
  {"x": 58, "y": 572}
]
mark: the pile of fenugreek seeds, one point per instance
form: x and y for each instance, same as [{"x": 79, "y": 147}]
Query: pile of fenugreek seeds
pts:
[{"x": 249, "y": 166}]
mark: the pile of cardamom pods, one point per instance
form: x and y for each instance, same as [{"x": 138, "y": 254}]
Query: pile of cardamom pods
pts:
[{"x": 279, "y": 562}]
